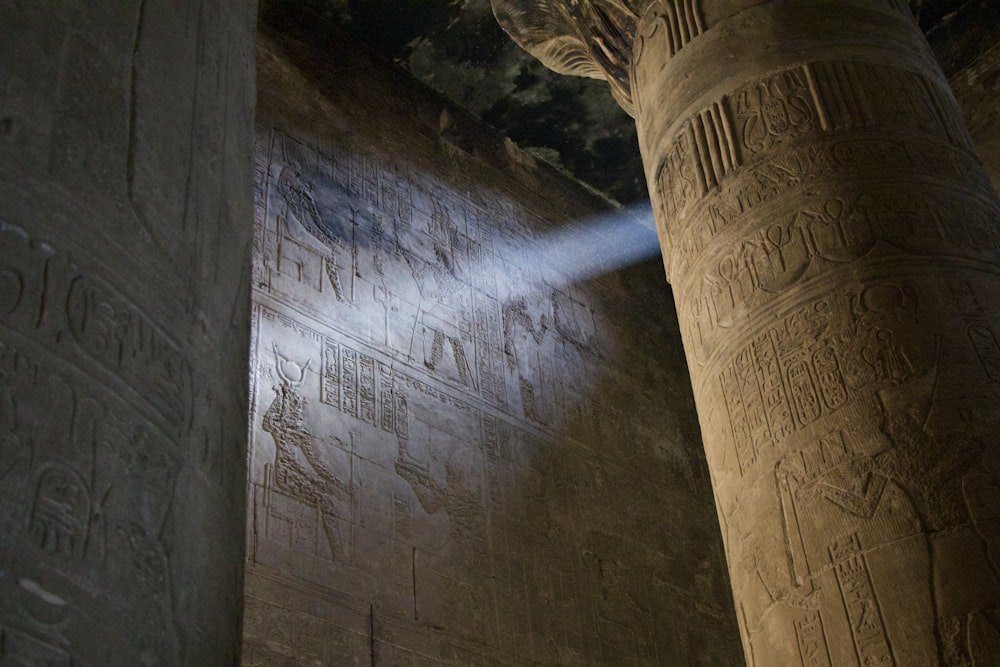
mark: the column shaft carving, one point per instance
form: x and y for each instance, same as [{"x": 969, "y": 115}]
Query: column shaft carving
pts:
[
  {"x": 834, "y": 247},
  {"x": 126, "y": 138}
]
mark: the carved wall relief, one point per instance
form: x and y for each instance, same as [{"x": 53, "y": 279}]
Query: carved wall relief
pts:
[{"x": 440, "y": 463}]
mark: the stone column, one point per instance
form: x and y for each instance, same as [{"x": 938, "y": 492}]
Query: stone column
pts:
[
  {"x": 834, "y": 247},
  {"x": 126, "y": 137}
]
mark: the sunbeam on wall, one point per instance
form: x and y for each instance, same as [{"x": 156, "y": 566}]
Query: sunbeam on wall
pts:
[
  {"x": 599, "y": 244},
  {"x": 470, "y": 419}
]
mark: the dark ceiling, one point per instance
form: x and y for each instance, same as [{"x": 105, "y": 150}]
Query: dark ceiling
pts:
[{"x": 457, "y": 48}]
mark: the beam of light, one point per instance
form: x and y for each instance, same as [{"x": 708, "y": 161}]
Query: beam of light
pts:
[{"x": 587, "y": 248}]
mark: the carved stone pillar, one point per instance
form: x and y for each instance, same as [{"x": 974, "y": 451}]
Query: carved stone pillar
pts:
[
  {"x": 834, "y": 247},
  {"x": 126, "y": 139}
]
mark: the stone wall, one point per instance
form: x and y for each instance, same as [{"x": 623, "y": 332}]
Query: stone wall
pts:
[
  {"x": 965, "y": 43},
  {"x": 458, "y": 456},
  {"x": 126, "y": 135}
]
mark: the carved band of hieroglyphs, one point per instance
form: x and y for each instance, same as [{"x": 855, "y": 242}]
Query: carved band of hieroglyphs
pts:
[
  {"x": 770, "y": 180},
  {"x": 261, "y": 186},
  {"x": 863, "y": 611},
  {"x": 61, "y": 512},
  {"x": 812, "y": 640},
  {"x": 86, "y": 494},
  {"x": 799, "y": 102},
  {"x": 492, "y": 382},
  {"x": 358, "y": 385},
  {"x": 829, "y": 232},
  {"x": 854, "y": 94},
  {"x": 329, "y": 391},
  {"x": 773, "y": 388},
  {"x": 679, "y": 20},
  {"x": 125, "y": 341},
  {"x": 35, "y": 280},
  {"x": 701, "y": 155}
]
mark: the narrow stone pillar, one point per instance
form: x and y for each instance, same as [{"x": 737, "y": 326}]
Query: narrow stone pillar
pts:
[
  {"x": 834, "y": 247},
  {"x": 126, "y": 139}
]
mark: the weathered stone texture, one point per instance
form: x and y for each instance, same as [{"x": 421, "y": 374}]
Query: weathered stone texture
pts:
[
  {"x": 834, "y": 246},
  {"x": 125, "y": 145},
  {"x": 457, "y": 456}
]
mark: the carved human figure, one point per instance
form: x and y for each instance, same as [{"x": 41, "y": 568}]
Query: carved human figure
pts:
[
  {"x": 792, "y": 157},
  {"x": 301, "y": 207},
  {"x": 459, "y": 495},
  {"x": 299, "y": 469},
  {"x": 527, "y": 319}
]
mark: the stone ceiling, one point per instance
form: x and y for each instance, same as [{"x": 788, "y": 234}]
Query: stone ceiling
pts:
[{"x": 457, "y": 48}]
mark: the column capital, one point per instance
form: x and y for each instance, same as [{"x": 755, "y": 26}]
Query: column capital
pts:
[
  {"x": 596, "y": 38},
  {"x": 590, "y": 38}
]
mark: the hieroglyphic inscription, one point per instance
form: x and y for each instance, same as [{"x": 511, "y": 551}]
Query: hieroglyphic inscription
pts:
[
  {"x": 680, "y": 21},
  {"x": 910, "y": 99},
  {"x": 491, "y": 369},
  {"x": 749, "y": 124},
  {"x": 330, "y": 380},
  {"x": 387, "y": 414},
  {"x": 37, "y": 282},
  {"x": 369, "y": 179},
  {"x": 117, "y": 334},
  {"x": 366, "y": 389},
  {"x": 773, "y": 111},
  {"x": 472, "y": 534},
  {"x": 703, "y": 153},
  {"x": 754, "y": 389},
  {"x": 780, "y": 383},
  {"x": 428, "y": 390},
  {"x": 261, "y": 187},
  {"x": 61, "y": 514},
  {"x": 863, "y": 611},
  {"x": 812, "y": 640},
  {"x": 449, "y": 316},
  {"x": 775, "y": 177},
  {"x": 731, "y": 132},
  {"x": 90, "y": 495},
  {"x": 827, "y": 232},
  {"x": 362, "y": 387},
  {"x": 349, "y": 381}
]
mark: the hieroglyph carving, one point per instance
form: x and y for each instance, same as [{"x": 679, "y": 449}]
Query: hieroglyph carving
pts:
[
  {"x": 70, "y": 507},
  {"x": 41, "y": 291},
  {"x": 362, "y": 232},
  {"x": 863, "y": 611},
  {"x": 813, "y": 101}
]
